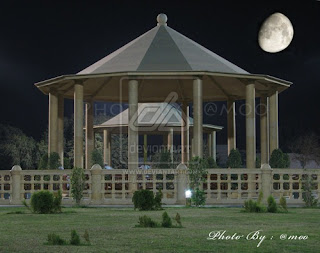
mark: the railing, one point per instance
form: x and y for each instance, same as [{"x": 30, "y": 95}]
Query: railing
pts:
[
  {"x": 289, "y": 182},
  {"x": 232, "y": 186},
  {"x": 5, "y": 186},
  {"x": 116, "y": 187}
]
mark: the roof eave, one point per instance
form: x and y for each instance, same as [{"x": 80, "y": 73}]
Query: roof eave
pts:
[{"x": 58, "y": 79}]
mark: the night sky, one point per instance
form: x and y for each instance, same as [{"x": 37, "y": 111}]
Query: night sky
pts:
[{"x": 41, "y": 40}]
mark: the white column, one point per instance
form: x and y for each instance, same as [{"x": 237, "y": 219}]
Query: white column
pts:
[
  {"x": 197, "y": 117},
  {"x": 209, "y": 143},
  {"x": 231, "y": 124},
  {"x": 170, "y": 143},
  {"x": 214, "y": 145},
  {"x": 78, "y": 125},
  {"x": 264, "y": 136},
  {"x": 250, "y": 126},
  {"x": 107, "y": 147},
  {"x": 53, "y": 122},
  {"x": 145, "y": 148},
  {"x": 61, "y": 128},
  {"x": 89, "y": 133},
  {"x": 188, "y": 134},
  {"x": 133, "y": 134},
  {"x": 184, "y": 133},
  {"x": 274, "y": 134}
]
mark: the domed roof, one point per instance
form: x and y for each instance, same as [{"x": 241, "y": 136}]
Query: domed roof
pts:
[{"x": 162, "y": 49}]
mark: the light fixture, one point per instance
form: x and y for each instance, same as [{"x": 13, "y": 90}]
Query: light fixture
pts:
[{"x": 188, "y": 194}]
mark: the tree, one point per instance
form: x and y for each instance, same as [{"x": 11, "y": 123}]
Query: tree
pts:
[
  {"x": 197, "y": 171},
  {"x": 119, "y": 151},
  {"x": 234, "y": 159},
  {"x": 77, "y": 184},
  {"x": 306, "y": 148},
  {"x": 308, "y": 185},
  {"x": 22, "y": 150}
]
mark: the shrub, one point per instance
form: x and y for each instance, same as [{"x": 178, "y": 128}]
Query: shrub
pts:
[
  {"x": 54, "y": 239},
  {"x": 96, "y": 158},
  {"x": 258, "y": 162},
  {"x": 67, "y": 163},
  {"x": 147, "y": 222},
  {"x": 75, "y": 239},
  {"x": 272, "y": 205},
  {"x": 54, "y": 161},
  {"x": 43, "y": 164},
  {"x": 279, "y": 159},
  {"x": 57, "y": 202},
  {"x": 234, "y": 159},
  {"x": 211, "y": 163},
  {"x": 283, "y": 203},
  {"x": 42, "y": 202},
  {"x": 158, "y": 199},
  {"x": 260, "y": 197},
  {"x": 77, "y": 184},
  {"x": 178, "y": 219},
  {"x": 166, "y": 220},
  {"x": 165, "y": 160},
  {"x": 286, "y": 160},
  {"x": 251, "y": 206},
  {"x": 86, "y": 236},
  {"x": 198, "y": 198},
  {"x": 197, "y": 171},
  {"x": 143, "y": 200}
]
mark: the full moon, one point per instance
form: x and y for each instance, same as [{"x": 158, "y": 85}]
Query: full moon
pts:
[{"x": 276, "y": 33}]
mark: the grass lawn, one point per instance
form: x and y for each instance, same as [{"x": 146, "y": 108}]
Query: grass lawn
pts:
[{"x": 113, "y": 230}]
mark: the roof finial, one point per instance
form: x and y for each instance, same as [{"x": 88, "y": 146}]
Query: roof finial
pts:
[{"x": 162, "y": 19}]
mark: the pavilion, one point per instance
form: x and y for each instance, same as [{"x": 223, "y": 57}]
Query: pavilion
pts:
[
  {"x": 156, "y": 119},
  {"x": 147, "y": 70}
]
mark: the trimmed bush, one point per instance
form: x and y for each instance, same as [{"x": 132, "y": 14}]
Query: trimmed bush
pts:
[
  {"x": 251, "y": 206},
  {"x": 147, "y": 222},
  {"x": 166, "y": 220},
  {"x": 54, "y": 239},
  {"x": 54, "y": 161},
  {"x": 178, "y": 220},
  {"x": 198, "y": 198},
  {"x": 158, "y": 199},
  {"x": 283, "y": 203},
  {"x": 67, "y": 163},
  {"x": 75, "y": 239},
  {"x": 258, "y": 162},
  {"x": 165, "y": 160},
  {"x": 272, "y": 205},
  {"x": 279, "y": 159},
  {"x": 77, "y": 184},
  {"x": 143, "y": 200},
  {"x": 57, "y": 202},
  {"x": 211, "y": 163},
  {"x": 286, "y": 160},
  {"x": 43, "y": 165},
  {"x": 96, "y": 158},
  {"x": 86, "y": 236},
  {"x": 234, "y": 159},
  {"x": 197, "y": 171},
  {"x": 42, "y": 202}
]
